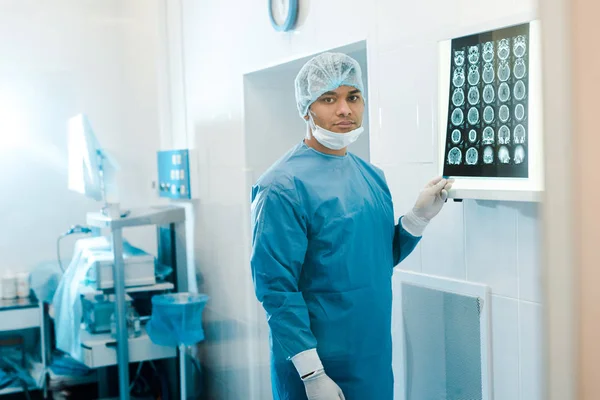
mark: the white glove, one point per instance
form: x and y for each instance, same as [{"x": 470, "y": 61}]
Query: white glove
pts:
[
  {"x": 319, "y": 386},
  {"x": 428, "y": 205}
]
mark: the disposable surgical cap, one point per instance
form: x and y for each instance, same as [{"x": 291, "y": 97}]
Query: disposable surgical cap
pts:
[{"x": 324, "y": 73}]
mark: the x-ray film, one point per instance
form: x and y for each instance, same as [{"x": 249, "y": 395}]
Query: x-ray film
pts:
[{"x": 487, "y": 125}]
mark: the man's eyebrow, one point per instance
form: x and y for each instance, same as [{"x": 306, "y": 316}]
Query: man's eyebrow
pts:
[
  {"x": 329, "y": 94},
  {"x": 355, "y": 91}
]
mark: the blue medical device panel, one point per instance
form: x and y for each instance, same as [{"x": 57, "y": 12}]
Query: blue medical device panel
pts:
[{"x": 174, "y": 174}]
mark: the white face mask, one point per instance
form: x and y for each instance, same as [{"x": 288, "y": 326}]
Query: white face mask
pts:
[{"x": 332, "y": 140}]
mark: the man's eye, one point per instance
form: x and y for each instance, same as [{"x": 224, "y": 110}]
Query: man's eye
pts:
[
  {"x": 354, "y": 98},
  {"x": 328, "y": 100}
]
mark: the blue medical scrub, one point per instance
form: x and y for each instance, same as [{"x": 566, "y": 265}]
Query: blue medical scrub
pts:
[{"x": 324, "y": 246}]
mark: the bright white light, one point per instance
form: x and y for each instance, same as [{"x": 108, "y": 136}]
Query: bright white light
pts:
[
  {"x": 76, "y": 147},
  {"x": 13, "y": 125}
]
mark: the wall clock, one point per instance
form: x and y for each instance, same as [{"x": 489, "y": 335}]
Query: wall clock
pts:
[{"x": 283, "y": 14}]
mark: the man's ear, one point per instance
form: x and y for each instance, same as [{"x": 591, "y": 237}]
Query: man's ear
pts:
[{"x": 306, "y": 117}]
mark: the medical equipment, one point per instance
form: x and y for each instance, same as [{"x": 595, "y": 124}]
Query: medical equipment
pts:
[
  {"x": 134, "y": 324},
  {"x": 138, "y": 265},
  {"x": 175, "y": 174},
  {"x": 99, "y": 349},
  {"x": 74, "y": 229},
  {"x": 91, "y": 169},
  {"x": 177, "y": 321},
  {"x": 98, "y": 310},
  {"x": 92, "y": 173}
]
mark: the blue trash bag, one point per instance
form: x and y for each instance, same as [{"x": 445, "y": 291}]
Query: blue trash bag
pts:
[
  {"x": 177, "y": 319},
  {"x": 63, "y": 364}
]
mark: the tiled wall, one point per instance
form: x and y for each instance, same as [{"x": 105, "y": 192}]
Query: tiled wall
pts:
[{"x": 495, "y": 243}]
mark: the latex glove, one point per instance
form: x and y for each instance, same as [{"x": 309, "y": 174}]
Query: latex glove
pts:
[
  {"x": 319, "y": 386},
  {"x": 428, "y": 205}
]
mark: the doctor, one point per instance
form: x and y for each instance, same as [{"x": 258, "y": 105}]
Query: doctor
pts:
[{"x": 325, "y": 244}]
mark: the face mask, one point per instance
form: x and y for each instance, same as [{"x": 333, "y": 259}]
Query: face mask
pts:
[{"x": 332, "y": 140}]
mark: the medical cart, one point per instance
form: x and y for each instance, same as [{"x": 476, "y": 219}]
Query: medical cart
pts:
[{"x": 101, "y": 350}]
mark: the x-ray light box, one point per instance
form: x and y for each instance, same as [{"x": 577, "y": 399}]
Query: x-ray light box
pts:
[{"x": 490, "y": 114}]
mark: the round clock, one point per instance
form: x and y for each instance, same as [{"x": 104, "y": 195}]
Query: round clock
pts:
[{"x": 283, "y": 14}]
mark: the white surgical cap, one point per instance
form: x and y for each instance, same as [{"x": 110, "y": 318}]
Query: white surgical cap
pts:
[{"x": 324, "y": 73}]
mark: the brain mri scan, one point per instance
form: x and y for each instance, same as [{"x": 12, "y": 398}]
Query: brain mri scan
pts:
[
  {"x": 473, "y": 95},
  {"x": 519, "y": 69},
  {"x": 519, "y": 90},
  {"x": 503, "y": 71},
  {"x": 520, "y": 46},
  {"x": 473, "y": 77},
  {"x": 471, "y": 156},
  {"x": 456, "y": 135},
  {"x": 488, "y": 73},
  {"x": 487, "y": 132},
  {"x": 458, "y": 97},
  {"x": 503, "y": 113},
  {"x": 454, "y": 156},
  {"x": 488, "y": 114},
  {"x": 473, "y": 116},
  {"x": 488, "y": 52},
  {"x": 457, "y": 117},
  {"x": 459, "y": 58},
  {"x": 503, "y": 155},
  {"x": 472, "y": 136},
  {"x": 458, "y": 79},
  {"x": 519, "y": 134},
  {"x": 519, "y": 154},
  {"x": 503, "y": 92},
  {"x": 504, "y": 135},
  {"x": 488, "y": 94},
  {"x": 473, "y": 54},
  {"x": 519, "y": 112},
  {"x": 503, "y": 49},
  {"x": 488, "y": 155},
  {"x": 488, "y": 135}
]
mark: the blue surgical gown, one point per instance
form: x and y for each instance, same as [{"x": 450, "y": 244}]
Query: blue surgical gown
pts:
[{"x": 325, "y": 243}]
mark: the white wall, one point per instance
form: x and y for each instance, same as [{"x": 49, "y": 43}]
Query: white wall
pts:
[
  {"x": 495, "y": 243},
  {"x": 57, "y": 59}
]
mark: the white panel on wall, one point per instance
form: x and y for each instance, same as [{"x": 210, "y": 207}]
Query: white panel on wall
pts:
[
  {"x": 529, "y": 261},
  {"x": 531, "y": 332},
  {"x": 505, "y": 344},
  {"x": 441, "y": 325},
  {"x": 491, "y": 245},
  {"x": 408, "y": 105},
  {"x": 443, "y": 243}
]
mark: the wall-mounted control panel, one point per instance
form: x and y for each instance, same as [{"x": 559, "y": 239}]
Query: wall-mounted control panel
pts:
[{"x": 174, "y": 180}]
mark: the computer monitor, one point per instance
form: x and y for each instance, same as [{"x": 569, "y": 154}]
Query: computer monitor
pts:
[{"x": 85, "y": 158}]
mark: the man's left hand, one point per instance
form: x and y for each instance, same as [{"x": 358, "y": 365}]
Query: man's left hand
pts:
[
  {"x": 428, "y": 205},
  {"x": 432, "y": 198}
]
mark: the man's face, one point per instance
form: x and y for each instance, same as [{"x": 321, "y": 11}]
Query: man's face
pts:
[{"x": 339, "y": 111}]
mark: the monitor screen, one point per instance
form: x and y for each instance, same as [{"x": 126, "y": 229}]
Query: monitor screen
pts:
[{"x": 84, "y": 158}]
